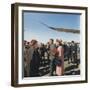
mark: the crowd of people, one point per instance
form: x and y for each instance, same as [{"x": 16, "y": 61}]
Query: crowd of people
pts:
[{"x": 55, "y": 51}]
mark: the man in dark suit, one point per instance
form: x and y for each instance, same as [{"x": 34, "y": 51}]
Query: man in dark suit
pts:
[{"x": 52, "y": 56}]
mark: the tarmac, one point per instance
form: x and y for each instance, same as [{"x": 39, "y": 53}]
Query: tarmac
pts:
[{"x": 69, "y": 68}]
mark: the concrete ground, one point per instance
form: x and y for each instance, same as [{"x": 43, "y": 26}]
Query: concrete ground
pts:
[{"x": 69, "y": 68}]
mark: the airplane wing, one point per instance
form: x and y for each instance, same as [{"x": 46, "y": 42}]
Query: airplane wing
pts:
[
  {"x": 62, "y": 29},
  {"x": 66, "y": 30}
]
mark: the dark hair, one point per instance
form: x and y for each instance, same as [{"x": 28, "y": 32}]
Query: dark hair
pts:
[
  {"x": 33, "y": 42},
  {"x": 28, "y": 43},
  {"x": 72, "y": 41},
  {"x": 52, "y": 40},
  {"x": 25, "y": 42}
]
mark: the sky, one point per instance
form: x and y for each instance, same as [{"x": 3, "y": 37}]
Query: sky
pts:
[{"x": 33, "y": 29}]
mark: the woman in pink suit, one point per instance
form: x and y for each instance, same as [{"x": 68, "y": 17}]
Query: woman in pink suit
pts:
[{"x": 60, "y": 58}]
